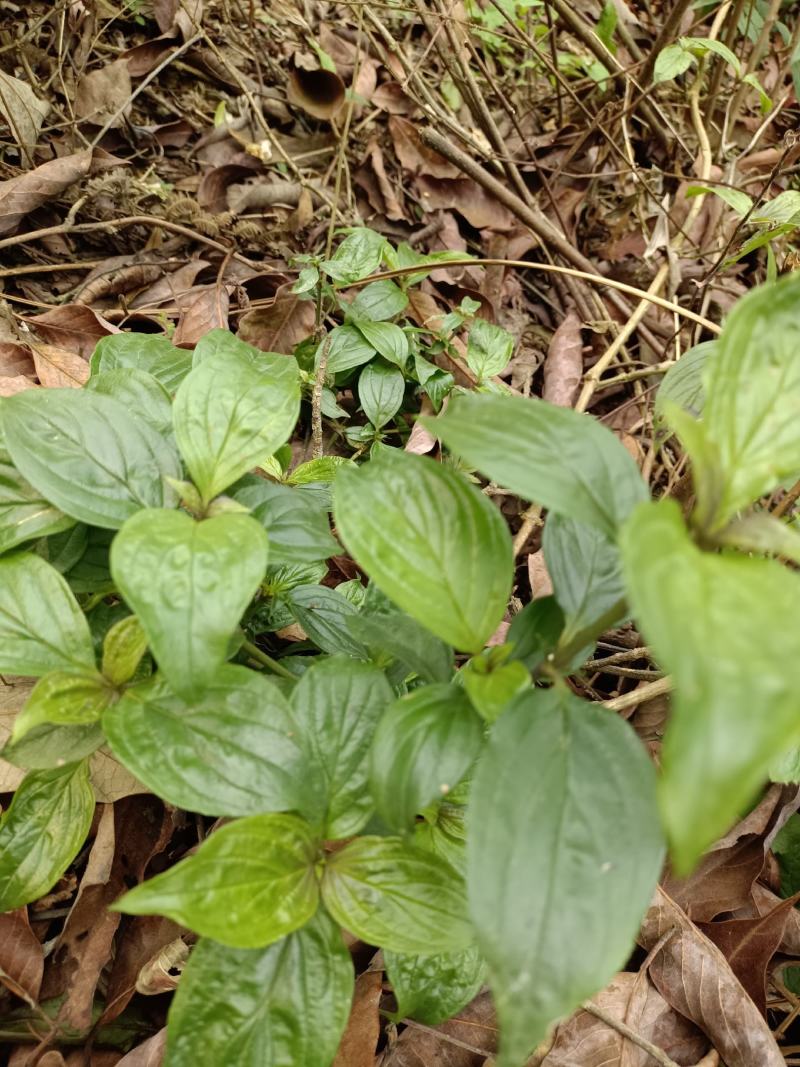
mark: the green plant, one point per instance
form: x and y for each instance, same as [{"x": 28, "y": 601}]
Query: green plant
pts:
[{"x": 472, "y": 816}]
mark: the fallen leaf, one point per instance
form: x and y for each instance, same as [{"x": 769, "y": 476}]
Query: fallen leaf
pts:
[
  {"x": 279, "y": 326},
  {"x": 467, "y": 198},
  {"x": 140, "y": 939},
  {"x": 74, "y": 327},
  {"x": 23, "y": 112},
  {"x": 475, "y": 1027},
  {"x": 372, "y": 178},
  {"x": 170, "y": 288},
  {"x": 121, "y": 274},
  {"x": 763, "y": 902},
  {"x": 178, "y": 16},
  {"x": 15, "y": 384},
  {"x": 15, "y": 360},
  {"x": 209, "y": 311},
  {"x": 421, "y": 440},
  {"x": 156, "y": 976},
  {"x": 318, "y": 92},
  {"x": 21, "y": 956},
  {"x": 563, "y": 365},
  {"x": 360, "y": 1038},
  {"x": 586, "y": 1040},
  {"x": 149, "y": 1054},
  {"x": 416, "y": 156},
  {"x": 539, "y": 576},
  {"x": 694, "y": 977},
  {"x": 58, "y": 368},
  {"x": 104, "y": 95}
]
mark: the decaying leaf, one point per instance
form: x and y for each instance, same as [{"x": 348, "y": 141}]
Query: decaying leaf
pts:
[
  {"x": 23, "y": 112},
  {"x": 416, "y": 156},
  {"x": 103, "y": 93},
  {"x": 74, "y": 327},
  {"x": 475, "y": 1027},
  {"x": 563, "y": 365},
  {"x": 281, "y": 325},
  {"x": 360, "y": 1038},
  {"x": 209, "y": 311},
  {"x": 58, "y": 368},
  {"x": 21, "y": 956},
  {"x": 149, "y": 1054},
  {"x": 318, "y": 92}
]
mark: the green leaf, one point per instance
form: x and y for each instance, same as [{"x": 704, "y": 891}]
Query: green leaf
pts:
[
  {"x": 235, "y": 409},
  {"x": 88, "y": 455},
  {"x": 784, "y": 208},
  {"x": 42, "y": 628},
  {"x": 42, "y": 831},
  {"x": 432, "y": 989},
  {"x": 378, "y": 302},
  {"x": 123, "y": 648},
  {"x": 423, "y": 746},
  {"x": 535, "y": 631},
  {"x": 764, "y": 99},
  {"x": 404, "y": 639},
  {"x": 306, "y": 280},
  {"x": 492, "y": 685},
  {"x": 683, "y": 383},
  {"x": 397, "y": 517},
  {"x": 786, "y": 848},
  {"x": 142, "y": 351},
  {"x": 69, "y": 697},
  {"x": 140, "y": 392},
  {"x": 671, "y": 62},
  {"x": 380, "y": 390},
  {"x": 298, "y": 528},
  {"x": 752, "y": 385},
  {"x": 189, "y": 583},
  {"x": 229, "y": 753},
  {"x": 735, "y": 198},
  {"x": 489, "y": 349},
  {"x": 585, "y": 569},
  {"x": 49, "y": 746},
  {"x": 24, "y": 513},
  {"x": 249, "y": 884},
  {"x": 763, "y": 534},
  {"x": 724, "y": 628},
  {"x": 607, "y": 24},
  {"x": 445, "y": 836},
  {"x": 347, "y": 348},
  {"x": 555, "y": 901},
  {"x": 325, "y": 614},
  {"x": 336, "y": 706},
  {"x": 358, "y": 256},
  {"x": 322, "y": 470},
  {"x": 398, "y": 897},
  {"x": 700, "y": 46},
  {"x": 568, "y": 462},
  {"x": 387, "y": 339},
  {"x": 284, "y": 1004}
]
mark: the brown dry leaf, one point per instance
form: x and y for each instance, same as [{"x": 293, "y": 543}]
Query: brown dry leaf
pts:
[
  {"x": 360, "y": 1038},
  {"x": 23, "y": 194},
  {"x": 695, "y": 978},
  {"x": 178, "y": 16},
  {"x": 58, "y": 368},
  {"x": 539, "y": 576},
  {"x": 17, "y": 384},
  {"x": 586, "y": 1040},
  {"x": 390, "y": 97},
  {"x": 475, "y": 1026},
  {"x": 209, "y": 311},
  {"x": 723, "y": 878},
  {"x": 21, "y": 956},
  {"x": 281, "y": 325},
  {"x": 23, "y": 113},
  {"x": 75, "y": 327},
  {"x": 104, "y": 92},
  {"x": 467, "y": 198},
  {"x": 170, "y": 288},
  {"x": 15, "y": 360},
  {"x": 318, "y": 92},
  {"x": 421, "y": 440},
  {"x": 141, "y": 939},
  {"x": 416, "y": 156},
  {"x": 121, "y": 274},
  {"x": 764, "y": 901},
  {"x": 372, "y": 178},
  {"x": 156, "y": 975},
  {"x": 149, "y": 1054},
  {"x": 563, "y": 365}
]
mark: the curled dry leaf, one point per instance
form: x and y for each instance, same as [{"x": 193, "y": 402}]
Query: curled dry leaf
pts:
[
  {"x": 694, "y": 977},
  {"x": 15, "y": 359},
  {"x": 372, "y": 178},
  {"x": 209, "y": 311},
  {"x": 74, "y": 327},
  {"x": 467, "y": 198},
  {"x": 58, "y": 368},
  {"x": 121, "y": 274},
  {"x": 421, "y": 440},
  {"x": 538, "y": 575},
  {"x": 563, "y": 365},
  {"x": 475, "y": 1027},
  {"x": 149, "y": 1054},
  {"x": 23, "y": 113},
  {"x": 21, "y": 956},
  {"x": 390, "y": 97},
  {"x": 103, "y": 94},
  {"x": 178, "y": 17},
  {"x": 281, "y": 325},
  {"x": 156, "y": 975},
  {"x": 416, "y": 156},
  {"x": 318, "y": 92},
  {"x": 23, "y": 194},
  {"x": 170, "y": 288},
  {"x": 763, "y": 902},
  {"x": 360, "y": 1038},
  {"x": 140, "y": 940},
  {"x": 635, "y": 1001}
]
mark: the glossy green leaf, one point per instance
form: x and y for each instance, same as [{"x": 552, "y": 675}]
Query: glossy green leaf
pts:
[
  {"x": 325, "y": 614},
  {"x": 284, "y": 1004},
  {"x": 142, "y": 351},
  {"x": 140, "y": 392},
  {"x": 322, "y": 470},
  {"x": 347, "y": 348},
  {"x": 90, "y": 573},
  {"x": 431, "y": 541},
  {"x": 489, "y": 349},
  {"x": 683, "y": 383},
  {"x": 724, "y": 628},
  {"x": 42, "y": 831},
  {"x": 123, "y": 648},
  {"x": 406, "y": 640},
  {"x": 444, "y": 835},
  {"x": 763, "y": 534},
  {"x": 556, "y": 902},
  {"x": 229, "y": 753},
  {"x": 671, "y": 62},
  {"x": 234, "y": 410},
  {"x": 70, "y": 697},
  {"x": 336, "y": 706},
  {"x": 735, "y": 198},
  {"x": 358, "y": 256},
  {"x": 423, "y": 746},
  {"x": 380, "y": 389},
  {"x": 189, "y": 583},
  {"x": 586, "y": 572},
  {"x": 432, "y": 989},
  {"x": 249, "y": 884},
  {"x": 24, "y": 513},
  {"x": 88, "y": 455},
  {"x": 396, "y": 896},
  {"x": 535, "y": 631},
  {"x": 784, "y": 208},
  {"x": 554, "y": 456},
  {"x": 299, "y": 531},
  {"x": 492, "y": 686},
  {"x": 387, "y": 339},
  {"x": 41, "y": 626},
  {"x": 50, "y": 746},
  {"x": 378, "y": 302}
]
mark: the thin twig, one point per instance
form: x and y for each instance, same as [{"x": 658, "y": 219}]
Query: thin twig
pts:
[
  {"x": 637, "y": 696},
  {"x": 658, "y": 1054},
  {"x": 316, "y": 398}
]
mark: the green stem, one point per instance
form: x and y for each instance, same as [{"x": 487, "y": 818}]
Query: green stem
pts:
[{"x": 266, "y": 660}]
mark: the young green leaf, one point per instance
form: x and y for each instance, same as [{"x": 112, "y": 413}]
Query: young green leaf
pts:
[
  {"x": 49, "y": 746},
  {"x": 234, "y": 410},
  {"x": 42, "y": 831},
  {"x": 405, "y": 640},
  {"x": 284, "y": 1004},
  {"x": 378, "y": 302},
  {"x": 85, "y": 453},
  {"x": 489, "y": 349},
  {"x": 723, "y": 626},
  {"x": 671, "y": 62},
  {"x": 249, "y": 884},
  {"x": 683, "y": 384},
  {"x": 380, "y": 390},
  {"x": 140, "y": 392},
  {"x": 229, "y": 753},
  {"x": 42, "y": 628},
  {"x": 123, "y": 648},
  {"x": 444, "y": 834},
  {"x": 423, "y": 746},
  {"x": 387, "y": 339},
  {"x": 347, "y": 348},
  {"x": 358, "y": 256},
  {"x": 75, "y": 696},
  {"x": 189, "y": 583},
  {"x": 555, "y": 901},
  {"x": 336, "y": 706},
  {"x": 700, "y": 46},
  {"x": 429, "y": 540},
  {"x": 24, "y": 513},
  {"x": 554, "y": 456},
  {"x": 141, "y": 351},
  {"x": 492, "y": 683},
  {"x": 432, "y": 989},
  {"x": 324, "y": 614},
  {"x": 299, "y": 531},
  {"x": 391, "y": 894},
  {"x": 534, "y": 632},
  {"x": 735, "y": 198}
]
